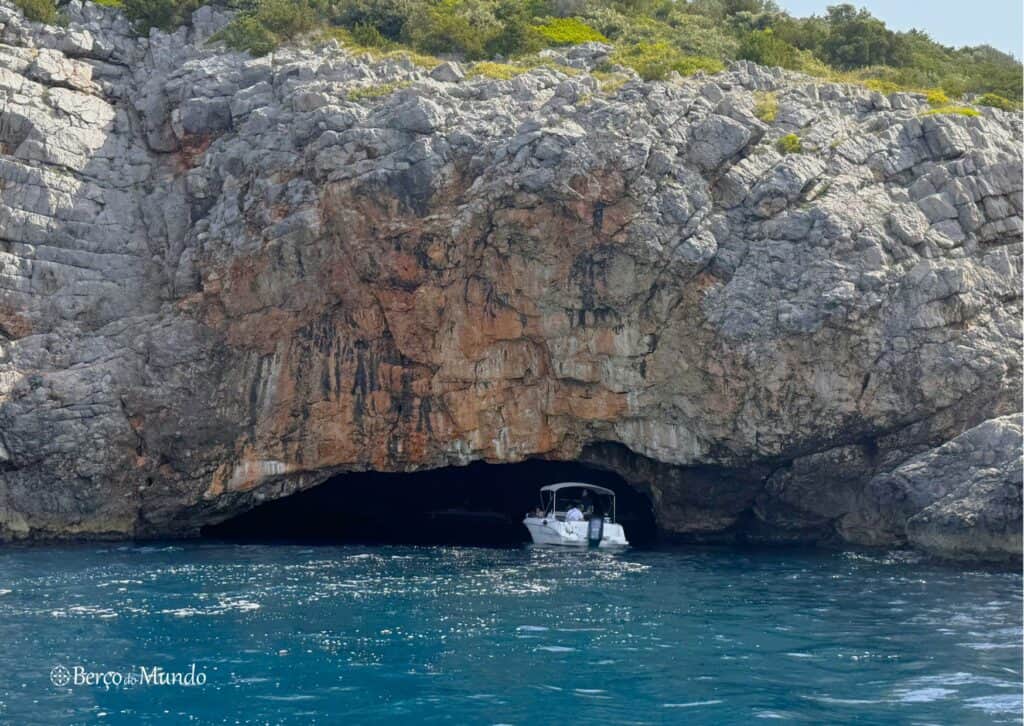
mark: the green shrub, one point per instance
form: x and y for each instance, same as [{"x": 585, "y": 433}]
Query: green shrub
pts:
[
  {"x": 568, "y": 31},
  {"x": 388, "y": 17},
  {"x": 286, "y": 18},
  {"x": 674, "y": 23},
  {"x": 529, "y": 62},
  {"x": 955, "y": 85},
  {"x": 764, "y": 47},
  {"x": 385, "y": 89},
  {"x": 886, "y": 87},
  {"x": 505, "y": 71},
  {"x": 500, "y": 71},
  {"x": 516, "y": 37},
  {"x": 996, "y": 101},
  {"x": 440, "y": 29},
  {"x": 421, "y": 59},
  {"x": 766, "y": 106},
  {"x": 856, "y": 39},
  {"x": 936, "y": 97},
  {"x": 389, "y": 50},
  {"x": 687, "y": 65},
  {"x": 654, "y": 61},
  {"x": 266, "y": 25},
  {"x": 609, "y": 82},
  {"x": 110, "y": 3},
  {"x": 955, "y": 110},
  {"x": 789, "y": 144},
  {"x": 163, "y": 14},
  {"x": 40, "y": 11},
  {"x": 246, "y": 33},
  {"x": 367, "y": 36}
]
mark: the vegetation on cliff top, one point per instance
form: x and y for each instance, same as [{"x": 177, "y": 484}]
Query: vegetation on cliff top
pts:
[
  {"x": 42, "y": 11},
  {"x": 654, "y": 37}
]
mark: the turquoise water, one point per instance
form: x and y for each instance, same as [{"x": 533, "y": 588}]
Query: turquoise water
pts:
[{"x": 461, "y": 635}]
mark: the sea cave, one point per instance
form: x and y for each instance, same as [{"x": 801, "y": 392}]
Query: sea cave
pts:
[{"x": 479, "y": 505}]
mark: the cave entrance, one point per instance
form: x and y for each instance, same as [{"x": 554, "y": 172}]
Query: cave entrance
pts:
[{"x": 479, "y": 504}]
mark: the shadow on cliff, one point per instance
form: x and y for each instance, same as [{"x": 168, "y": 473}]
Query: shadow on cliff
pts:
[{"x": 480, "y": 504}]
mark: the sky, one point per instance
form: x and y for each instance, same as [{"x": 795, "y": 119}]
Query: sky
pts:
[{"x": 951, "y": 22}]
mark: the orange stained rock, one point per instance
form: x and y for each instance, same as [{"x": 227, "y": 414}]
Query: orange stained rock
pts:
[
  {"x": 217, "y": 482},
  {"x": 404, "y": 268},
  {"x": 369, "y": 321},
  {"x": 14, "y": 324},
  {"x": 589, "y": 403},
  {"x": 464, "y": 407},
  {"x": 481, "y": 329},
  {"x": 604, "y": 341},
  {"x": 262, "y": 331},
  {"x": 413, "y": 318},
  {"x": 240, "y": 286}
]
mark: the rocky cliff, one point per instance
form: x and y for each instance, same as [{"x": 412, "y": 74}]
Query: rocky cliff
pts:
[{"x": 225, "y": 279}]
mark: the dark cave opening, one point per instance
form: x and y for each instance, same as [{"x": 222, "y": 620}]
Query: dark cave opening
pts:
[{"x": 479, "y": 504}]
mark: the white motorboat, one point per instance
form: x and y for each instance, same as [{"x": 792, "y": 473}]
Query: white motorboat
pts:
[{"x": 576, "y": 514}]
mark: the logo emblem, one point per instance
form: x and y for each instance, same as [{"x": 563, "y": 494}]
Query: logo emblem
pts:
[{"x": 60, "y": 676}]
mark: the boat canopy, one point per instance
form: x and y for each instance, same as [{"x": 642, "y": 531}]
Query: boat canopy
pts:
[{"x": 577, "y": 485}]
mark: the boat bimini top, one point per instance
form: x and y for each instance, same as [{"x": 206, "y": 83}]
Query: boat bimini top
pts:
[
  {"x": 551, "y": 490},
  {"x": 577, "y": 485}
]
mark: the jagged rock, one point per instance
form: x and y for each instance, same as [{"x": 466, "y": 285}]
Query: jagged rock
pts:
[
  {"x": 937, "y": 208},
  {"x": 448, "y": 72},
  {"x": 962, "y": 500},
  {"x": 419, "y": 115},
  {"x": 716, "y": 140},
  {"x": 225, "y": 279},
  {"x": 204, "y": 116},
  {"x": 784, "y": 183},
  {"x": 588, "y": 56},
  {"x": 207, "y": 21}
]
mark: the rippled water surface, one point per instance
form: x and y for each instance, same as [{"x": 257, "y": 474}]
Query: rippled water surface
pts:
[{"x": 461, "y": 635}]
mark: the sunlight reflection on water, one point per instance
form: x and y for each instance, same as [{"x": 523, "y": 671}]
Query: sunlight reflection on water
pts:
[{"x": 485, "y": 635}]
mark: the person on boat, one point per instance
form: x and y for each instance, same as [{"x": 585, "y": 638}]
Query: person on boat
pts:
[
  {"x": 574, "y": 514},
  {"x": 587, "y": 505}
]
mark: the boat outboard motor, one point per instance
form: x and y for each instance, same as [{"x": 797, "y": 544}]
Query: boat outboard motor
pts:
[{"x": 595, "y": 531}]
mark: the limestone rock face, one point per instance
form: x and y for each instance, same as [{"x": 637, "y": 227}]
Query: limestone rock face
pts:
[
  {"x": 225, "y": 279},
  {"x": 964, "y": 497}
]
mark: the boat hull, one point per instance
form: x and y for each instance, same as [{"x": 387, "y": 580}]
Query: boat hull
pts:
[{"x": 572, "y": 534}]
